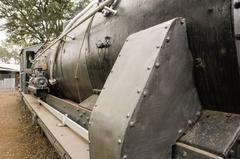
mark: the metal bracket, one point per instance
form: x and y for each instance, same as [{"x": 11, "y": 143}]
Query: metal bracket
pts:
[
  {"x": 114, "y": 12},
  {"x": 62, "y": 124}
]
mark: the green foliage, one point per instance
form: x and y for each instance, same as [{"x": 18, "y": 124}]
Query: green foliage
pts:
[
  {"x": 36, "y": 21},
  {"x": 8, "y": 53}
]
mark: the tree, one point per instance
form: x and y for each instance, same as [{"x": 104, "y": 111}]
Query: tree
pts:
[
  {"x": 36, "y": 21},
  {"x": 9, "y": 53}
]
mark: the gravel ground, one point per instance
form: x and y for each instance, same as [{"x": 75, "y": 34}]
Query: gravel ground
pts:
[{"x": 19, "y": 139}]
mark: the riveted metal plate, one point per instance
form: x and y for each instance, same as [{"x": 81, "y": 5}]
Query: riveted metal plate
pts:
[
  {"x": 215, "y": 132},
  {"x": 171, "y": 104},
  {"x": 171, "y": 92}
]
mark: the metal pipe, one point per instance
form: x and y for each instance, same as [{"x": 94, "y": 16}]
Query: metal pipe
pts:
[
  {"x": 79, "y": 15},
  {"x": 99, "y": 8}
]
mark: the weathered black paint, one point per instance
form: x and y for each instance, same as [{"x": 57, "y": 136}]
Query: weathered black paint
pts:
[{"x": 211, "y": 38}]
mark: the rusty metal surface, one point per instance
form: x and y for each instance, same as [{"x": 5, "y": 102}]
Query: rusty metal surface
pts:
[
  {"x": 183, "y": 151},
  {"x": 215, "y": 132},
  {"x": 80, "y": 115},
  {"x": 150, "y": 81},
  {"x": 235, "y": 151}
]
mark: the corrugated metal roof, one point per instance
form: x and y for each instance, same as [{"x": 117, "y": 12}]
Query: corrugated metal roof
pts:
[{"x": 9, "y": 67}]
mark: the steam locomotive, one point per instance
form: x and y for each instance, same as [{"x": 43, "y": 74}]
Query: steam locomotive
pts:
[{"x": 147, "y": 79}]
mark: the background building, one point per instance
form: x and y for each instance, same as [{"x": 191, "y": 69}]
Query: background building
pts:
[{"x": 9, "y": 77}]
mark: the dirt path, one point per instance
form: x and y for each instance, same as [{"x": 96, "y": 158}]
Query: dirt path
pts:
[{"x": 18, "y": 138}]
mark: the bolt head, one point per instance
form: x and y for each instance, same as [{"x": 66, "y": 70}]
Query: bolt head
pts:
[
  {"x": 182, "y": 21},
  {"x": 198, "y": 113},
  {"x": 168, "y": 39},
  {"x": 131, "y": 124},
  {"x": 184, "y": 154},
  {"x": 190, "y": 122},
  {"x": 157, "y": 64},
  {"x": 119, "y": 141},
  {"x": 231, "y": 152},
  {"x": 144, "y": 93},
  {"x": 180, "y": 131}
]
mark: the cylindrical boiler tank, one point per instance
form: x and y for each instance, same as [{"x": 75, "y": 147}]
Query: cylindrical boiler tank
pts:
[{"x": 83, "y": 63}]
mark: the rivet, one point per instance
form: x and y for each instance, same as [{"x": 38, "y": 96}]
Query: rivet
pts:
[
  {"x": 131, "y": 124},
  {"x": 198, "y": 113},
  {"x": 148, "y": 68},
  {"x": 210, "y": 10},
  {"x": 138, "y": 91},
  {"x": 232, "y": 152},
  {"x": 184, "y": 154},
  {"x": 158, "y": 47},
  {"x": 190, "y": 122},
  {"x": 182, "y": 22},
  {"x": 166, "y": 27},
  {"x": 127, "y": 40},
  {"x": 119, "y": 141},
  {"x": 124, "y": 156},
  {"x": 223, "y": 51},
  {"x": 95, "y": 105},
  {"x": 157, "y": 64},
  {"x": 180, "y": 131},
  {"x": 128, "y": 115},
  {"x": 168, "y": 39},
  {"x": 119, "y": 55},
  {"x": 237, "y": 36},
  {"x": 144, "y": 93}
]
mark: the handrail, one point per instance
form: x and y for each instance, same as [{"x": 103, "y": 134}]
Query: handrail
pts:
[{"x": 79, "y": 15}]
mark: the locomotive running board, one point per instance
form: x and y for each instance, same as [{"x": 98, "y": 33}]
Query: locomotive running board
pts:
[
  {"x": 66, "y": 121},
  {"x": 67, "y": 143}
]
